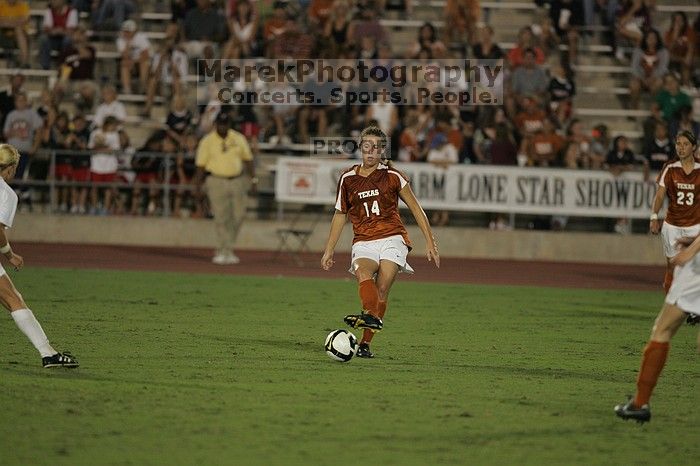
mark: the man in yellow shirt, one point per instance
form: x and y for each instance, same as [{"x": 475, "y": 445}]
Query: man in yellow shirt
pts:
[
  {"x": 14, "y": 20},
  {"x": 224, "y": 154}
]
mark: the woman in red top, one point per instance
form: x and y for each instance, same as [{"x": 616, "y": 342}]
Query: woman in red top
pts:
[{"x": 368, "y": 196}]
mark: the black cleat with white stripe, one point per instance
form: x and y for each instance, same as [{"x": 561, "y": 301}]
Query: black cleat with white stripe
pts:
[
  {"x": 60, "y": 360},
  {"x": 630, "y": 411},
  {"x": 364, "y": 320}
]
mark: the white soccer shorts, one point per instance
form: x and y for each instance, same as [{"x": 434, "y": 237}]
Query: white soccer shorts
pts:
[
  {"x": 670, "y": 234},
  {"x": 685, "y": 289},
  {"x": 392, "y": 249}
]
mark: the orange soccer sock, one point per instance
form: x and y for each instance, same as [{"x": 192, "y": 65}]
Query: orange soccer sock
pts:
[
  {"x": 668, "y": 279},
  {"x": 655, "y": 354},
  {"x": 367, "y": 334},
  {"x": 369, "y": 296}
]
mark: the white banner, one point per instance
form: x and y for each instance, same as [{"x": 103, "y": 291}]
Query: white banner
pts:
[{"x": 484, "y": 188}]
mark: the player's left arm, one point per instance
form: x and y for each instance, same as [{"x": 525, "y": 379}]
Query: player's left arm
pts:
[{"x": 409, "y": 198}]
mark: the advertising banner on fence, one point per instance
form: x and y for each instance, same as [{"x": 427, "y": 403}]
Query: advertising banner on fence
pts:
[{"x": 484, "y": 188}]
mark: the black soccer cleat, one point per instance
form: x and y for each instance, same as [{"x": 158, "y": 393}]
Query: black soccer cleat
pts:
[
  {"x": 629, "y": 411},
  {"x": 693, "y": 319},
  {"x": 364, "y": 352},
  {"x": 364, "y": 320},
  {"x": 60, "y": 360}
]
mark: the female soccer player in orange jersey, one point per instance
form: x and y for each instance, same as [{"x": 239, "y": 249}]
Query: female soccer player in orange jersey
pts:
[
  {"x": 679, "y": 181},
  {"x": 368, "y": 196}
]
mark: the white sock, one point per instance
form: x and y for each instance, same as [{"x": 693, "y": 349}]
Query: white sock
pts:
[{"x": 27, "y": 323}]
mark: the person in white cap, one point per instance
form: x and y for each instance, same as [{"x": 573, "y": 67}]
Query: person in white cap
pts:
[{"x": 135, "y": 50}]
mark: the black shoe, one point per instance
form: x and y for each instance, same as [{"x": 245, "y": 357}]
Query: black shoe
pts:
[
  {"x": 363, "y": 351},
  {"x": 693, "y": 319},
  {"x": 364, "y": 320},
  {"x": 60, "y": 360},
  {"x": 629, "y": 411}
]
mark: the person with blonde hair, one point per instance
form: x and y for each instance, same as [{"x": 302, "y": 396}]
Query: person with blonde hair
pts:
[{"x": 9, "y": 296}]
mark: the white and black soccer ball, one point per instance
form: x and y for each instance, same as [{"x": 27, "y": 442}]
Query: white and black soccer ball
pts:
[{"x": 341, "y": 345}]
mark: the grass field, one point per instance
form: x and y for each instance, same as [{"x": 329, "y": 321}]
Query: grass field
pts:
[{"x": 208, "y": 369}]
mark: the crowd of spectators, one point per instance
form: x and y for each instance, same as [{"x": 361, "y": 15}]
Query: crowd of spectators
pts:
[{"x": 536, "y": 126}]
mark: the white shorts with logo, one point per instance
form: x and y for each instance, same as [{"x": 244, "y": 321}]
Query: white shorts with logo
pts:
[
  {"x": 685, "y": 289},
  {"x": 392, "y": 249},
  {"x": 670, "y": 234}
]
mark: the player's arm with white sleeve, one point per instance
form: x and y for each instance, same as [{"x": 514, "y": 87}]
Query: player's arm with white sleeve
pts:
[{"x": 409, "y": 198}]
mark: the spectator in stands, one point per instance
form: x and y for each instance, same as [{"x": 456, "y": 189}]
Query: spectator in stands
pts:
[
  {"x": 147, "y": 165},
  {"x": 486, "y": 48},
  {"x": 545, "y": 35},
  {"x": 467, "y": 154},
  {"x": 600, "y": 145},
  {"x": 57, "y": 28},
  {"x": 659, "y": 150},
  {"x": 619, "y": 160},
  {"x": 649, "y": 123},
  {"x": 22, "y": 130},
  {"x": 335, "y": 30},
  {"x": 7, "y": 97},
  {"x": 77, "y": 72},
  {"x": 567, "y": 17},
  {"x": 649, "y": 66},
  {"x": 462, "y": 18},
  {"x": 104, "y": 142},
  {"x": 293, "y": 43},
  {"x": 209, "y": 112},
  {"x": 384, "y": 111},
  {"x": 409, "y": 145},
  {"x": 503, "y": 149},
  {"x": 316, "y": 113},
  {"x": 225, "y": 155},
  {"x": 78, "y": 141},
  {"x": 543, "y": 149},
  {"x": 179, "y": 120},
  {"x": 680, "y": 41},
  {"x": 562, "y": 90},
  {"x": 14, "y": 24},
  {"x": 485, "y": 132},
  {"x": 135, "y": 50},
  {"x": 633, "y": 22},
  {"x": 243, "y": 32},
  {"x": 110, "y": 106},
  {"x": 184, "y": 173},
  {"x": 531, "y": 118},
  {"x": 204, "y": 29},
  {"x": 428, "y": 39},
  {"x": 525, "y": 42},
  {"x": 318, "y": 13},
  {"x": 367, "y": 25},
  {"x": 441, "y": 154},
  {"x": 57, "y": 137},
  {"x": 671, "y": 98},
  {"x": 168, "y": 73},
  {"x": 274, "y": 26},
  {"x": 578, "y": 147},
  {"x": 684, "y": 122},
  {"x": 111, "y": 14},
  {"x": 529, "y": 79}
]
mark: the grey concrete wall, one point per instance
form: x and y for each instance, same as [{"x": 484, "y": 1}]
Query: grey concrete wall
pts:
[{"x": 262, "y": 235}]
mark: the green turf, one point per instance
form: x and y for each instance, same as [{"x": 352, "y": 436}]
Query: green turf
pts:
[{"x": 207, "y": 369}]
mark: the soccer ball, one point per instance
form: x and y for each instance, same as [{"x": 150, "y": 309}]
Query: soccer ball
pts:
[{"x": 341, "y": 345}]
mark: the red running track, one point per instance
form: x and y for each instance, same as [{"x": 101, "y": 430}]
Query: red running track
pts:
[{"x": 477, "y": 271}]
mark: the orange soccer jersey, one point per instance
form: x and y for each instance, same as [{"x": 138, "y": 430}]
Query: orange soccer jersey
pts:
[
  {"x": 683, "y": 193},
  {"x": 372, "y": 203}
]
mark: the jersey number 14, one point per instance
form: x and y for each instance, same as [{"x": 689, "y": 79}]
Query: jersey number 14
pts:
[{"x": 374, "y": 209}]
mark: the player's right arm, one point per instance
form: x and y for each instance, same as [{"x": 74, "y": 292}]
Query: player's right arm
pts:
[
  {"x": 15, "y": 259},
  {"x": 687, "y": 253},
  {"x": 654, "y": 222},
  {"x": 337, "y": 224}
]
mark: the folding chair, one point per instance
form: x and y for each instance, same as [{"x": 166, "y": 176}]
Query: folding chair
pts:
[{"x": 294, "y": 239}]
